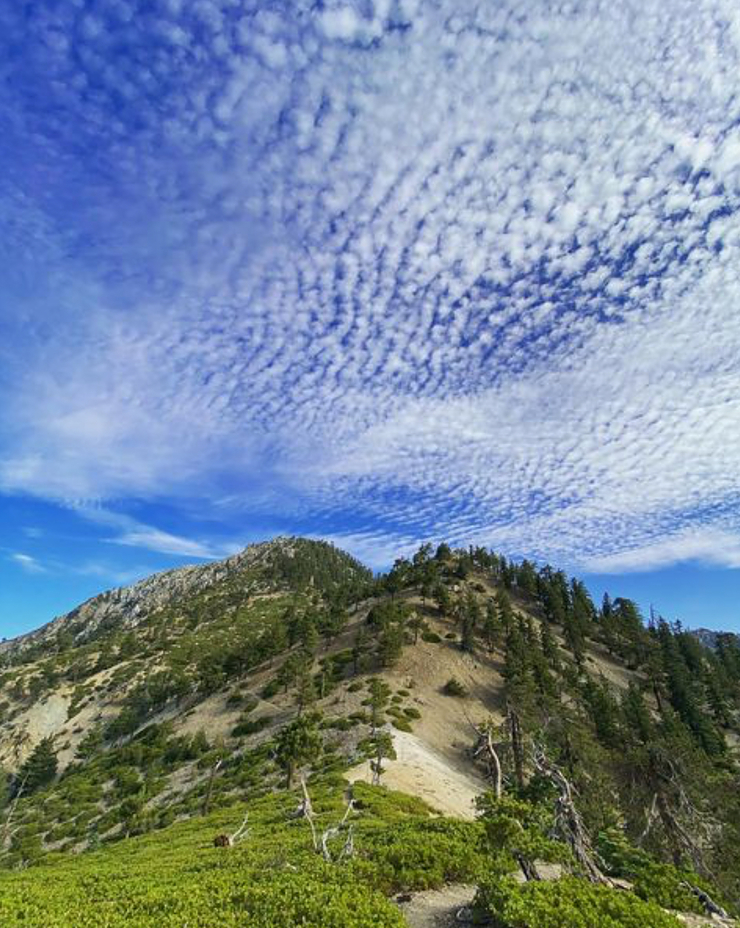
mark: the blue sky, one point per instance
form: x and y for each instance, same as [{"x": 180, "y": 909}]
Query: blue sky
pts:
[{"x": 376, "y": 270}]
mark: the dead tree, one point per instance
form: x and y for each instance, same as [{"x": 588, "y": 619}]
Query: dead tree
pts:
[
  {"x": 321, "y": 843},
  {"x": 240, "y": 834},
  {"x": 708, "y": 904},
  {"x": 209, "y": 789},
  {"x": 514, "y": 728},
  {"x": 11, "y": 812},
  {"x": 568, "y": 822},
  {"x": 670, "y": 805},
  {"x": 486, "y": 748},
  {"x": 527, "y": 867}
]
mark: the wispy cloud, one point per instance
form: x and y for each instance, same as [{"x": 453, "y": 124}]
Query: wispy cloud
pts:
[
  {"x": 165, "y": 543},
  {"x": 28, "y": 563},
  {"x": 135, "y": 534},
  {"x": 446, "y": 269},
  {"x": 705, "y": 546}
]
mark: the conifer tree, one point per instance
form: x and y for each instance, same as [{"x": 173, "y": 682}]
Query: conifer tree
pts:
[
  {"x": 40, "y": 767},
  {"x": 505, "y": 610},
  {"x": 491, "y": 625},
  {"x": 298, "y": 743}
]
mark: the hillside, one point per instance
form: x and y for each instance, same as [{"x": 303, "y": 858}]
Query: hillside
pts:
[{"x": 149, "y": 719}]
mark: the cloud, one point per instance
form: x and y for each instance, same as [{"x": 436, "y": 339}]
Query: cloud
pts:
[
  {"x": 135, "y": 534},
  {"x": 28, "y": 563},
  {"x": 706, "y": 546},
  {"x": 165, "y": 543},
  {"x": 403, "y": 270}
]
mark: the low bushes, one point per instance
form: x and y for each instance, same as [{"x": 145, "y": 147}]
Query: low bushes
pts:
[{"x": 567, "y": 903}]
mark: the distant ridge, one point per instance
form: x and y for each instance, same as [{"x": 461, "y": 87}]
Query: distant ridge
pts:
[{"x": 709, "y": 637}]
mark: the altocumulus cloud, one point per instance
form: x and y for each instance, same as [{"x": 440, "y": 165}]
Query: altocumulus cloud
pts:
[{"x": 413, "y": 269}]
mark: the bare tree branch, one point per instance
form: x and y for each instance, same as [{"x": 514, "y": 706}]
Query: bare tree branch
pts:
[
  {"x": 11, "y": 812},
  {"x": 568, "y": 821}
]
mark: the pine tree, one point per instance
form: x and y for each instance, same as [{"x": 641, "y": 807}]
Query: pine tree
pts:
[
  {"x": 549, "y": 647},
  {"x": 381, "y": 741},
  {"x": 297, "y": 744},
  {"x": 360, "y": 658},
  {"x": 40, "y": 767},
  {"x": 505, "y": 610}
]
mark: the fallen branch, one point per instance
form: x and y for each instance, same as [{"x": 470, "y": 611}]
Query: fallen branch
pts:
[{"x": 708, "y": 904}]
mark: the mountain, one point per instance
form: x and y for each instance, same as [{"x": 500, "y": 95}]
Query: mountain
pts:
[
  {"x": 711, "y": 639},
  {"x": 601, "y": 753}
]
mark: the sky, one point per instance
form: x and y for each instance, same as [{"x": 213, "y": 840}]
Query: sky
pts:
[{"x": 378, "y": 271}]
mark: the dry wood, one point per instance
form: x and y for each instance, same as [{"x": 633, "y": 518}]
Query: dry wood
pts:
[
  {"x": 209, "y": 790},
  {"x": 709, "y": 905},
  {"x": 321, "y": 844},
  {"x": 514, "y": 728},
  {"x": 11, "y": 812},
  {"x": 240, "y": 834},
  {"x": 568, "y": 821}
]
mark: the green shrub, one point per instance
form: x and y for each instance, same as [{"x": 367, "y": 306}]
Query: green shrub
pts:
[
  {"x": 411, "y": 712},
  {"x": 271, "y": 689},
  {"x": 567, "y": 903},
  {"x": 402, "y": 724},
  {"x": 430, "y": 637},
  {"x": 246, "y": 727},
  {"x": 454, "y": 687},
  {"x": 345, "y": 724},
  {"x": 422, "y": 855},
  {"x": 656, "y": 882}
]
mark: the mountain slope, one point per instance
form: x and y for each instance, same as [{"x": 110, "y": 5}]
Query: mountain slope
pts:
[{"x": 209, "y": 686}]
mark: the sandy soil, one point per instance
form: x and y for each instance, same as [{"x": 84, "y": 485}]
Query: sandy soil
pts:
[
  {"x": 28, "y": 728},
  {"x": 421, "y": 771}
]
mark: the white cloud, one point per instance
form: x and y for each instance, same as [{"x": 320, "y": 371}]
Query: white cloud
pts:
[
  {"x": 165, "y": 543},
  {"x": 132, "y": 533},
  {"x": 706, "y": 546},
  {"x": 452, "y": 269},
  {"x": 28, "y": 563}
]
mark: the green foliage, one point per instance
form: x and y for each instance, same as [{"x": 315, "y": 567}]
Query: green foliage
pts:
[
  {"x": 40, "y": 768},
  {"x": 567, "y": 903},
  {"x": 518, "y": 828},
  {"x": 402, "y": 724},
  {"x": 656, "y": 882},
  {"x": 422, "y": 855},
  {"x": 246, "y": 726},
  {"x": 274, "y": 879},
  {"x": 297, "y": 744},
  {"x": 454, "y": 687}
]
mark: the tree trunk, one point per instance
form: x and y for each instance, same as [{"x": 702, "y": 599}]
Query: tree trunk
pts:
[
  {"x": 517, "y": 744},
  {"x": 209, "y": 789}
]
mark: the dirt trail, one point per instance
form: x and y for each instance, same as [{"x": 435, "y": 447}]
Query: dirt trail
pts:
[{"x": 437, "y": 908}]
